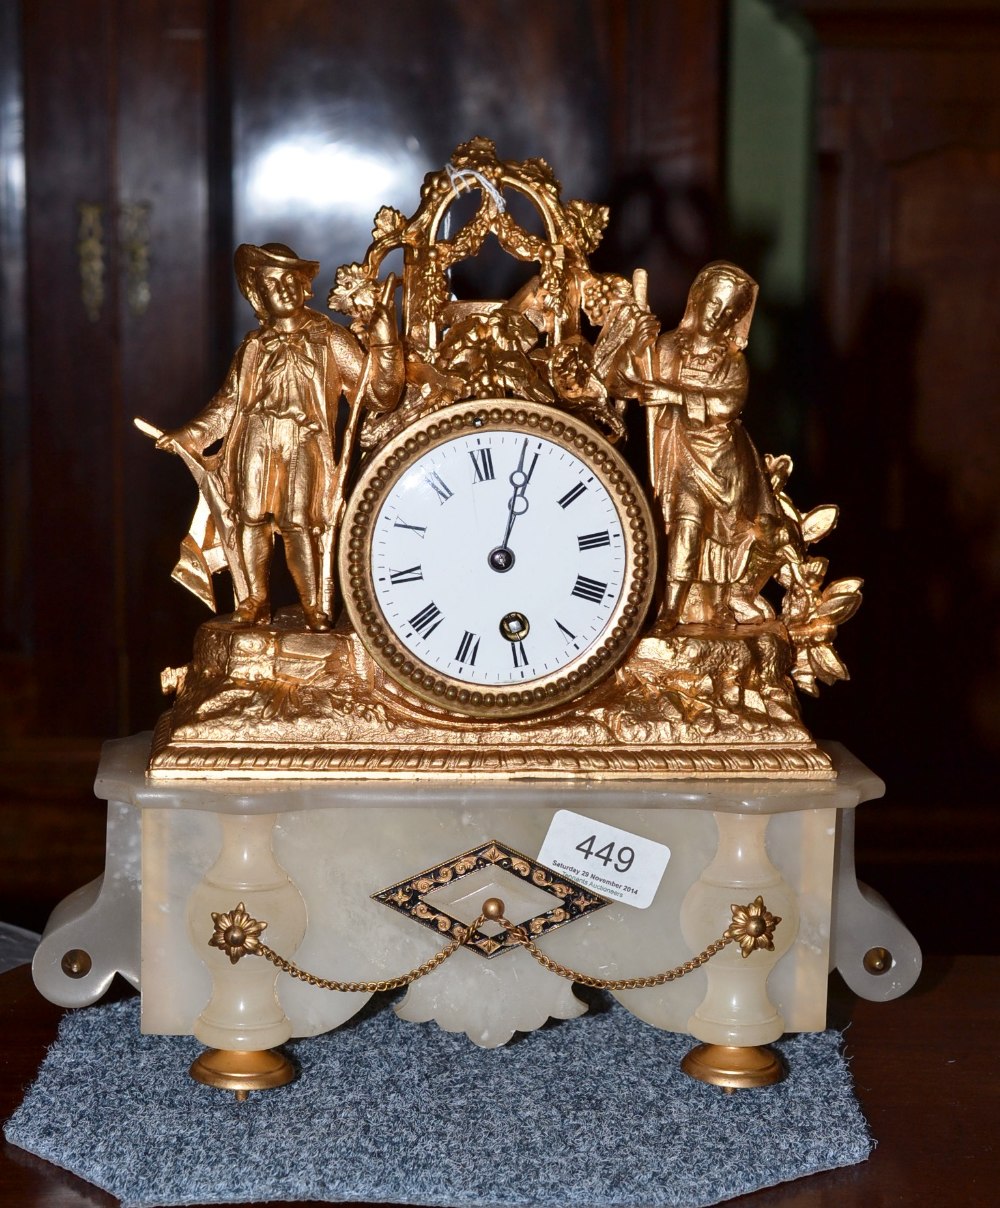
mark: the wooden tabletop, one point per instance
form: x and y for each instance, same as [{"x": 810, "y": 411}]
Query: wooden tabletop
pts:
[{"x": 927, "y": 1070}]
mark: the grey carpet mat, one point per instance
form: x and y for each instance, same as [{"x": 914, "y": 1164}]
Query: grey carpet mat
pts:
[{"x": 590, "y": 1112}]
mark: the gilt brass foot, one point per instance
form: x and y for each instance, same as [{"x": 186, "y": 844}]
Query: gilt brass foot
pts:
[
  {"x": 734, "y": 1067},
  {"x": 242, "y": 1072}
]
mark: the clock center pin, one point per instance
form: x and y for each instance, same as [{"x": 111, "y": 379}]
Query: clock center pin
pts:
[{"x": 500, "y": 559}]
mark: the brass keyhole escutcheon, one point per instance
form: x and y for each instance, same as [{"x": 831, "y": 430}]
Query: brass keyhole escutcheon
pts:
[{"x": 514, "y": 626}]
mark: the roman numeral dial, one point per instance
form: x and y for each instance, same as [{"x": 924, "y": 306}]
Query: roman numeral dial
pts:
[
  {"x": 572, "y": 495},
  {"x": 482, "y": 464},
  {"x": 594, "y": 540},
  {"x": 498, "y": 557},
  {"x": 411, "y": 575},
  {"x": 468, "y": 648},
  {"x": 437, "y": 484},
  {"x": 586, "y": 588},
  {"x": 427, "y": 619}
]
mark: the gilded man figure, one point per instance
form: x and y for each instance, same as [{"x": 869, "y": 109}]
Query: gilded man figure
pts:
[
  {"x": 276, "y": 416},
  {"x": 706, "y": 474}
]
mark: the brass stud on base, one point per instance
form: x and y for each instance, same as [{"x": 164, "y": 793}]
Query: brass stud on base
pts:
[
  {"x": 242, "y": 1072},
  {"x": 734, "y": 1067},
  {"x": 877, "y": 961},
  {"x": 76, "y": 963}
]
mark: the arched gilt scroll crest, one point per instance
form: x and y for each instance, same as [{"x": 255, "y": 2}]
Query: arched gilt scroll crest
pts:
[{"x": 529, "y": 346}]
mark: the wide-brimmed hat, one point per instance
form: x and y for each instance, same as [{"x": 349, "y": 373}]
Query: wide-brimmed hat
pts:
[{"x": 249, "y": 258}]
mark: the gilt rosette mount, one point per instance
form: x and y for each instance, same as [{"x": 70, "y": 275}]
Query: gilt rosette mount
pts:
[{"x": 491, "y": 582}]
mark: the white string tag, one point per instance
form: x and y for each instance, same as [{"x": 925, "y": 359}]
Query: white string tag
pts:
[{"x": 459, "y": 178}]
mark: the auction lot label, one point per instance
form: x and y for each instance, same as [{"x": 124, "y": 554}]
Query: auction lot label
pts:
[{"x": 612, "y": 862}]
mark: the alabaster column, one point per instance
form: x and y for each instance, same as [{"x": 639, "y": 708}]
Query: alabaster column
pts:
[
  {"x": 244, "y": 1012},
  {"x": 736, "y": 1009}
]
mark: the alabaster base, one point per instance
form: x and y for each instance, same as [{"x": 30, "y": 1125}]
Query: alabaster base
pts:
[
  {"x": 278, "y": 701},
  {"x": 94, "y": 933},
  {"x": 306, "y": 857}
]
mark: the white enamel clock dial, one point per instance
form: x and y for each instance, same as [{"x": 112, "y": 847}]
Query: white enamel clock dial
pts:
[{"x": 497, "y": 559}]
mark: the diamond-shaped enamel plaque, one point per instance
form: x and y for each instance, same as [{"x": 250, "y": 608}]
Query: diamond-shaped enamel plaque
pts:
[{"x": 491, "y": 868}]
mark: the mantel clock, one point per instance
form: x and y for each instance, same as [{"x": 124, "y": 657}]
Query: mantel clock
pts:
[{"x": 534, "y": 717}]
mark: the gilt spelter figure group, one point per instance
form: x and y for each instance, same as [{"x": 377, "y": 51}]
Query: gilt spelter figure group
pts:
[
  {"x": 268, "y": 461},
  {"x": 276, "y": 417}
]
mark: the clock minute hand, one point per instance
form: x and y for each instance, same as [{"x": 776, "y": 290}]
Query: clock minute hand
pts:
[{"x": 519, "y": 480}]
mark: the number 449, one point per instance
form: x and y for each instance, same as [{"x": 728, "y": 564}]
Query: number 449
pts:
[{"x": 622, "y": 861}]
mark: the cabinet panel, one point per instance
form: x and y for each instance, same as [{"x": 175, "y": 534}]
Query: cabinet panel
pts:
[
  {"x": 70, "y": 514},
  {"x": 117, "y": 324}
]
